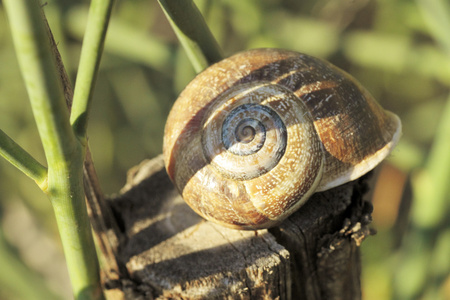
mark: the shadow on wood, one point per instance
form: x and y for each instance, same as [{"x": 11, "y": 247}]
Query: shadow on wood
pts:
[
  {"x": 168, "y": 251},
  {"x": 155, "y": 247}
]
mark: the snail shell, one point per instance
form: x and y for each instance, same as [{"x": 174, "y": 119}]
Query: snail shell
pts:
[{"x": 252, "y": 137}]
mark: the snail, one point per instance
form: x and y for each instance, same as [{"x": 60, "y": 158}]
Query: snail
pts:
[{"x": 253, "y": 136}]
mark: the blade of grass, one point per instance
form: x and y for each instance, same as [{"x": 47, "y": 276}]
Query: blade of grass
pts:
[
  {"x": 422, "y": 271},
  {"x": 22, "y": 160},
  {"x": 64, "y": 154},
  {"x": 91, "y": 52},
  {"x": 437, "y": 16},
  {"x": 192, "y": 32},
  {"x": 416, "y": 271},
  {"x": 431, "y": 205}
]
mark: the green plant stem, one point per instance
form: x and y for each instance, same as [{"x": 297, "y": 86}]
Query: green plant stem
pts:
[
  {"x": 431, "y": 206},
  {"x": 432, "y": 203},
  {"x": 192, "y": 32},
  {"x": 424, "y": 263},
  {"x": 64, "y": 153},
  {"x": 420, "y": 267},
  {"x": 91, "y": 51},
  {"x": 124, "y": 40},
  {"x": 22, "y": 160}
]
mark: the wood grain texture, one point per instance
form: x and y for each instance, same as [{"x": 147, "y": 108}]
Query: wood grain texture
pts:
[
  {"x": 155, "y": 247},
  {"x": 169, "y": 252},
  {"x": 173, "y": 251}
]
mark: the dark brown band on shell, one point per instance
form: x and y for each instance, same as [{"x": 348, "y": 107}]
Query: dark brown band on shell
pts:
[{"x": 340, "y": 118}]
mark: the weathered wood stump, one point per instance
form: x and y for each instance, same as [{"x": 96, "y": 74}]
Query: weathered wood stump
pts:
[
  {"x": 155, "y": 247},
  {"x": 166, "y": 251}
]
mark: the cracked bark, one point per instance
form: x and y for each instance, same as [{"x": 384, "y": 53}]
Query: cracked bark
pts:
[{"x": 168, "y": 252}]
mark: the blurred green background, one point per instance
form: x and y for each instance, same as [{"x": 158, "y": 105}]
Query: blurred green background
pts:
[{"x": 398, "y": 49}]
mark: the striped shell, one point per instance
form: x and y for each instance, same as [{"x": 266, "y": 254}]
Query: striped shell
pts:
[{"x": 252, "y": 137}]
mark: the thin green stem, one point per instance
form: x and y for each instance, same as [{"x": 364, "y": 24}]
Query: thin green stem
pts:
[
  {"x": 429, "y": 216},
  {"x": 431, "y": 205},
  {"x": 23, "y": 161},
  {"x": 424, "y": 266},
  {"x": 431, "y": 186},
  {"x": 93, "y": 42},
  {"x": 124, "y": 40},
  {"x": 64, "y": 154},
  {"x": 41, "y": 78},
  {"x": 192, "y": 32},
  {"x": 437, "y": 15}
]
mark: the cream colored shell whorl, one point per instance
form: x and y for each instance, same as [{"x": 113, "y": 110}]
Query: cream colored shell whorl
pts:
[{"x": 252, "y": 137}]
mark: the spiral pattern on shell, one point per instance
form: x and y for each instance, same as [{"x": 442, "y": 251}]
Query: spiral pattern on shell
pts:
[{"x": 253, "y": 136}]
